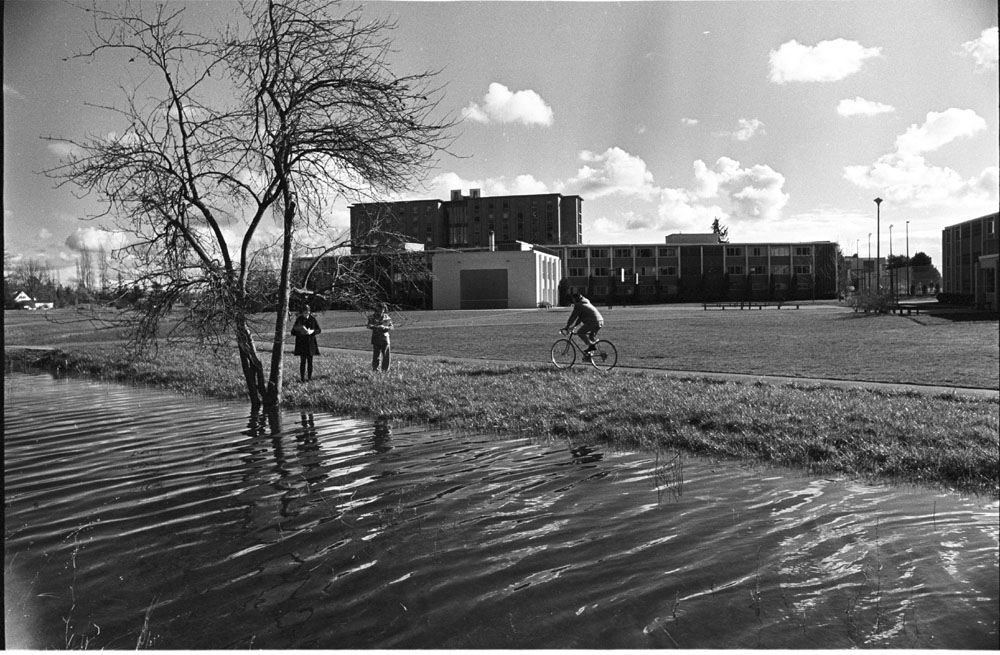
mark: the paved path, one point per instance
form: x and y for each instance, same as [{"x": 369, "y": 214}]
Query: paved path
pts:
[{"x": 895, "y": 387}]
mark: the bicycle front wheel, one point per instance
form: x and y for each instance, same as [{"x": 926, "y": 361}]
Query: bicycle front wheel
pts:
[
  {"x": 605, "y": 356},
  {"x": 563, "y": 353}
]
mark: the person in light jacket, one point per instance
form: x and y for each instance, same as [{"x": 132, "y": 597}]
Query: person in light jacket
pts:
[
  {"x": 380, "y": 324},
  {"x": 305, "y": 329}
]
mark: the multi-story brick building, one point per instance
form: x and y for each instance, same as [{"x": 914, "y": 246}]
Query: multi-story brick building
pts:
[
  {"x": 698, "y": 267},
  {"x": 969, "y": 261},
  {"x": 475, "y": 221}
]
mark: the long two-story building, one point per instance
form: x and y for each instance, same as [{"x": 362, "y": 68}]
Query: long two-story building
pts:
[{"x": 698, "y": 268}]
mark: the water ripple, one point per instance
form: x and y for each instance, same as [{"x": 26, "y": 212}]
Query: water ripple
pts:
[{"x": 316, "y": 531}]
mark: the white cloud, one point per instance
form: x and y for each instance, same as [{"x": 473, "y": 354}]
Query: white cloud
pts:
[
  {"x": 44, "y": 234},
  {"x": 727, "y": 191},
  {"x": 905, "y": 177},
  {"x": 93, "y": 239},
  {"x": 939, "y": 129},
  {"x": 11, "y": 92},
  {"x": 501, "y": 105},
  {"x": 827, "y": 61},
  {"x": 64, "y": 149},
  {"x": 442, "y": 185},
  {"x": 861, "y": 107},
  {"x": 983, "y": 50},
  {"x": 689, "y": 121},
  {"x": 748, "y": 128},
  {"x": 614, "y": 171}
]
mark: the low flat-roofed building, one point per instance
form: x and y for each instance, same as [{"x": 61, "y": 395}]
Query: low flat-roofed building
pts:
[
  {"x": 518, "y": 276},
  {"x": 969, "y": 262}
]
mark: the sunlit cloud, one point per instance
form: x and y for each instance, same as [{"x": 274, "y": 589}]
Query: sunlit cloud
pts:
[
  {"x": 64, "y": 149},
  {"x": 861, "y": 107},
  {"x": 983, "y": 50},
  {"x": 827, "y": 61},
  {"x": 94, "y": 239},
  {"x": 747, "y": 128},
  {"x": 939, "y": 129},
  {"x": 612, "y": 172},
  {"x": 690, "y": 122},
  {"x": 11, "y": 92},
  {"x": 906, "y": 177},
  {"x": 501, "y": 105}
]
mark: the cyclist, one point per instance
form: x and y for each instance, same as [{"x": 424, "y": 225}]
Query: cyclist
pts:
[{"x": 588, "y": 318}]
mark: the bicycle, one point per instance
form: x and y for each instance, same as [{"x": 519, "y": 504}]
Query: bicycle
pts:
[{"x": 604, "y": 357}]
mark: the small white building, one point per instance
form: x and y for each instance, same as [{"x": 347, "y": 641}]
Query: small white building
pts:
[{"x": 524, "y": 278}]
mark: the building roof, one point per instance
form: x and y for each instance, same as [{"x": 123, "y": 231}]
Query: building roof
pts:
[{"x": 692, "y": 239}]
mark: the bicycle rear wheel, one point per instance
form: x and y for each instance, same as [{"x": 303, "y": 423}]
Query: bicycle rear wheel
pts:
[
  {"x": 605, "y": 355},
  {"x": 563, "y": 353}
]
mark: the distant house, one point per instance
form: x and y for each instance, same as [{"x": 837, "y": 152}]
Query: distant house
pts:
[{"x": 27, "y": 302}]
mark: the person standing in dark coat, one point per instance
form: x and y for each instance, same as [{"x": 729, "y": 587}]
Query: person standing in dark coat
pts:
[
  {"x": 380, "y": 324},
  {"x": 305, "y": 329}
]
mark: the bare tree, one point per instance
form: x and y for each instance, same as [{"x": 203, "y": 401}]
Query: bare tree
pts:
[{"x": 293, "y": 106}]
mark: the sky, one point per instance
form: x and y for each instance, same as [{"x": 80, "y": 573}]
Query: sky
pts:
[{"x": 783, "y": 119}]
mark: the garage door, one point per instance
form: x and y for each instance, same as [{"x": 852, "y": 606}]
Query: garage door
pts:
[{"x": 483, "y": 289}]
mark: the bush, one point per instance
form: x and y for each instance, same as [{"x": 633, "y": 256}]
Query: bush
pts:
[{"x": 871, "y": 301}]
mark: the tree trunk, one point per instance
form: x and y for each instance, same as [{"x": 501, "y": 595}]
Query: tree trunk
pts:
[
  {"x": 253, "y": 369},
  {"x": 276, "y": 379}
]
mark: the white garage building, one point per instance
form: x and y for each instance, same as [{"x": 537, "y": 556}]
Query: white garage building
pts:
[{"x": 495, "y": 279}]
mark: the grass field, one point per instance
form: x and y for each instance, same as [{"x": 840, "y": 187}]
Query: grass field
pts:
[
  {"x": 816, "y": 341},
  {"x": 942, "y": 439}
]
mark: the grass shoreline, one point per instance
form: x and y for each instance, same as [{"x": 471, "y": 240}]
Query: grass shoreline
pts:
[{"x": 943, "y": 441}]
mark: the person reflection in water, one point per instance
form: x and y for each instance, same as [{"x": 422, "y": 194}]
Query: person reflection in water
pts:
[
  {"x": 382, "y": 436},
  {"x": 305, "y": 329},
  {"x": 380, "y": 324}
]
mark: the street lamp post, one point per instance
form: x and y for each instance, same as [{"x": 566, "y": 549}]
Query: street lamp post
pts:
[
  {"x": 878, "y": 243},
  {"x": 868, "y": 277},
  {"x": 892, "y": 279},
  {"x": 908, "y": 257}
]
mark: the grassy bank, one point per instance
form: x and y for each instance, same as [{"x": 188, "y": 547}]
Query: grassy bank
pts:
[{"x": 947, "y": 440}]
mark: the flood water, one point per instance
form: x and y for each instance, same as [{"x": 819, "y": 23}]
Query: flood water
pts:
[{"x": 139, "y": 515}]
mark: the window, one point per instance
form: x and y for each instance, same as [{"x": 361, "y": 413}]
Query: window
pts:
[
  {"x": 578, "y": 253},
  {"x": 757, "y": 252},
  {"x": 668, "y": 252},
  {"x": 735, "y": 269},
  {"x": 623, "y": 253},
  {"x": 803, "y": 251},
  {"x": 779, "y": 251},
  {"x": 779, "y": 269},
  {"x": 600, "y": 271},
  {"x": 577, "y": 272},
  {"x": 668, "y": 270},
  {"x": 599, "y": 253},
  {"x": 644, "y": 252},
  {"x": 758, "y": 270},
  {"x": 733, "y": 251},
  {"x": 803, "y": 269}
]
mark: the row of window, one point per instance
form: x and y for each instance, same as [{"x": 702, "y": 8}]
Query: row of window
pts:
[
  {"x": 671, "y": 251},
  {"x": 671, "y": 271}
]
